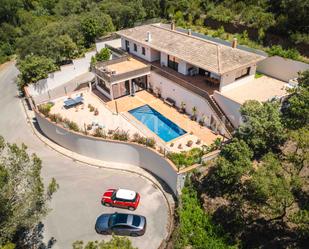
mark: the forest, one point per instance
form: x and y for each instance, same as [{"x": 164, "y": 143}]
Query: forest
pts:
[{"x": 56, "y": 31}]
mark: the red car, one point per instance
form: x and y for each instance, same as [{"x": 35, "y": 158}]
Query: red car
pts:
[{"x": 122, "y": 198}]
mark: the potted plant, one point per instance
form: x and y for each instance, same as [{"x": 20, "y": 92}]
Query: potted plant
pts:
[
  {"x": 158, "y": 92},
  {"x": 183, "y": 107},
  {"x": 194, "y": 111},
  {"x": 202, "y": 120},
  {"x": 150, "y": 89},
  {"x": 189, "y": 143}
]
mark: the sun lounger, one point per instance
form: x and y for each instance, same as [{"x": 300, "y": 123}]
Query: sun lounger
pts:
[
  {"x": 169, "y": 101},
  {"x": 73, "y": 102}
]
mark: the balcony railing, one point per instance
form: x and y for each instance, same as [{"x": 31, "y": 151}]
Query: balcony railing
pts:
[
  {"x": 197, "y": 91},
  {"x": 109, "y": 77}
]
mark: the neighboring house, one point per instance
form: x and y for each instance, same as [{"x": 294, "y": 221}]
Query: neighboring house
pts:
[{"x": 177, "y": 66}]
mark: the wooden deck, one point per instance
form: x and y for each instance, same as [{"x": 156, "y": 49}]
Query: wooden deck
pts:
[{"x": 199, "y": 81}]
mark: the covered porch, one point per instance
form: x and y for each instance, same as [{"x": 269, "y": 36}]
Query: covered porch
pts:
[{"x": 121, "y": 77}]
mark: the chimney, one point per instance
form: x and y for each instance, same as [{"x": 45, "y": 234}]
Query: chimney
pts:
[
  {"x": 173, "y": 25},
  {"x": 234, "y": 43},
  {"x": 189, "y": 32},
  {"x": 148, "y": 36}
]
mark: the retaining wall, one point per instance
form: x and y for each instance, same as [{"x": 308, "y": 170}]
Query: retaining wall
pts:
[
  {"x": 281, "y": 68},
  {"x": 113, "y": 151}
]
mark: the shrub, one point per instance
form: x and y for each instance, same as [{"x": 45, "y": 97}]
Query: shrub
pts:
[
  {"x": 189, "y": 143},
  {"x": 98, "y": 132},
  {"x": 45, "y": 108},
  {"x": 186, "y": 158},
  {"x": 150, "y": 142},
  {"x": 71, "y": 125},
  {"x": 91, "y": 107},
  {"x": 138, "y": 138},
  {"x": 196, "y": 228},
  {"x": 121, "y": 135},
  {"x": 285, "y": 53},
  {"x": 57, "y": 118},
  {"x": 103, "y": 55}
]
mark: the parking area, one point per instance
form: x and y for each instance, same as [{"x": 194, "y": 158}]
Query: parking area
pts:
[{"x": 77, "y": 204}]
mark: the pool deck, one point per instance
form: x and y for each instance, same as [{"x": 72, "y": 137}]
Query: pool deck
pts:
[{"x": 127, "y": 103}]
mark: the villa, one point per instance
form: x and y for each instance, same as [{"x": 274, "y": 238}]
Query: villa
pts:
[
  {"x": 182, "y": 69},
  {"x": 178, "y": 88}
]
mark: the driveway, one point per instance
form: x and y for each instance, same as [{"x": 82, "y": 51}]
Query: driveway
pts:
[{"x": 76, "y": 205}]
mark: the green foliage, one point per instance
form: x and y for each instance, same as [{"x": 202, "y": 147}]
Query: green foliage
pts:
[
  {"x": 296, "y": 114},
  {"x": 258, "y": 75},
  {"x": 8, "y": 246},
  {"x": 186, "y": 158},
  {"x": 103, "y": 55},
  {"x": 285, "y": 53},
  {"x": 234, "y": 161},
  {"x": 270, "y": 189},
  {"x": 196, "y": 229},
  {"x": 262, "y": 128},
  {"x": 95, "y": 25},
  {"x": 34, "y": 68},
  {"x": 45, "y": 109},
  {"x": 71, "y": 125},
  {"x": 121, "y": 135},
  {"x": 115, "y": 242},
  {"x": 300, "y": 38},
  {"x": 23, "y": 201}
]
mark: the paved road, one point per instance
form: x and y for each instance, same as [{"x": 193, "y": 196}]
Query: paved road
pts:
[{"x": 76, "y": 205}]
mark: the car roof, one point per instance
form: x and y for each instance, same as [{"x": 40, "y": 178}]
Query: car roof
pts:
[
  {"x": 125, "y": 194},
  {"x": 126, "y": 219}
]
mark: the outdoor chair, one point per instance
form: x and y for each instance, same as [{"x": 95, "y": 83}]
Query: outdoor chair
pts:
[{"x": 73, "y": 102}]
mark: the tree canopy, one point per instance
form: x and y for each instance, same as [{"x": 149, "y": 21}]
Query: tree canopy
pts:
[
  {"x": 23, "y": 199},
  {"x": 262, "y": 175},
  {"x": 115, "y": 242}
]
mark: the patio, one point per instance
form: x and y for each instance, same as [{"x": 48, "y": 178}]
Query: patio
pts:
[
  {"x": 113, "y": 115},
  {"x": 194, "y": 130}
]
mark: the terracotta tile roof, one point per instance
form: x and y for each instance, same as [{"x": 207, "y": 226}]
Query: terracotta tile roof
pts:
[{"x": 202, "y": 53}]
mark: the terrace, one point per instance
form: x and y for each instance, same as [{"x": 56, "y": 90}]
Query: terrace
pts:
[{"x": 114, "y": 116}]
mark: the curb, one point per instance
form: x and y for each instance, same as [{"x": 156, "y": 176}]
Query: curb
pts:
[{"x": 69, "y": 154}]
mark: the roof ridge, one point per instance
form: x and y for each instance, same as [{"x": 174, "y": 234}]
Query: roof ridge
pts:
[
  {"x": 184, "y": 34},
  {"x": 219, "y": 58}
]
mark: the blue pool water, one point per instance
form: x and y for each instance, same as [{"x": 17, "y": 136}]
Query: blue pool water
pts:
[{"x": 156, "y": 122}]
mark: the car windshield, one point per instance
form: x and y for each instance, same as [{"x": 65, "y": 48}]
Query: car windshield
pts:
[
  {"x": 136, "y": 220},
  {"x": 118, "y": 219}
]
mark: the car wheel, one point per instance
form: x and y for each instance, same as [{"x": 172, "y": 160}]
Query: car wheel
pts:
[
  {"x": 131, "y": 208},
  {"x": 107, "y": 204},
  {"x": 134, "y": 234}
]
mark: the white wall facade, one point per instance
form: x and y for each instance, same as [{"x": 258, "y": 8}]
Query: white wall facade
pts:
[
  {"x": 116, "y": 43},
  {"x": 180, "y": 94},
  {"x": 237, "y": 83},
  {"x": 163, "y": 59},
  {"x": 150, "y": 54},
  {"x": 228, "y": 80},
  {"x": 58, "y": 78},
  {"x": 281, "y": 68},
  {"x": 229, "y": 107}
]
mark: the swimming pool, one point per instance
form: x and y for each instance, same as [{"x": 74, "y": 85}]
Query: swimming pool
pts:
[{"x": 156, "y": 122}]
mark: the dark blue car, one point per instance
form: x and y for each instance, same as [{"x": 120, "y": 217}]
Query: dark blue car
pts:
[{"x": 121, "y": 224}]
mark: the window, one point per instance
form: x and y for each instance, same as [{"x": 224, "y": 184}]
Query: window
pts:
[
  {"x": 136, "y": 221},
  {"x": 143, "y": 51},
  {"x": 127, "y": 44},
  {"x": 242, "y": 73},
  {"x": 135, "y": 47}
]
